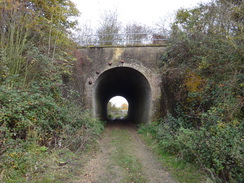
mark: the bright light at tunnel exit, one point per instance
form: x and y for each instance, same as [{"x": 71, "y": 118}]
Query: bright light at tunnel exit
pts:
[{"x": 118, "y": 101}]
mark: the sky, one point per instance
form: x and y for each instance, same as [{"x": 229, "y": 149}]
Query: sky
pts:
[
  {"x": 118, "y": 101},
  {"x": 144, "y": 12}
]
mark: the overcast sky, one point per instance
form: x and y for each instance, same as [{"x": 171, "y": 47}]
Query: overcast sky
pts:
[
  {"x": 118, "y": 101},
  {"x": 146, "y": 12}
]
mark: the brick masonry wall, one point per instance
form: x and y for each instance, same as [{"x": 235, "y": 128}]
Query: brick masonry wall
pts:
[{"x": 96, "y": 60}]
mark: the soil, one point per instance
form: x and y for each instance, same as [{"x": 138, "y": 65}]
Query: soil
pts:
[{"x": 99, "y": 168}]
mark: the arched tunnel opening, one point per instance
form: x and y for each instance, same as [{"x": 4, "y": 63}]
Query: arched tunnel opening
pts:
[
  {"x": 117, "y": 108},
  {"x": 128, "y": 83}
]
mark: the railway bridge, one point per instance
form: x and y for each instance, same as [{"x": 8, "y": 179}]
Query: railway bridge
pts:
[{"x": 132, "y": 72}]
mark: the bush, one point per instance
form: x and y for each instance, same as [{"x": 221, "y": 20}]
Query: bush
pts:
[
  {"x": 210, "y": 97},
  {"x": 220, "y": 149},
  {"x": 24, "y": 113},
  {"x": 35, "y": 121},
  {"x": 216, "y": 148}
]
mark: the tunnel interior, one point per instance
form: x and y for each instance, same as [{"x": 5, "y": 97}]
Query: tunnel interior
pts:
[{"x": 128, "y": 83}]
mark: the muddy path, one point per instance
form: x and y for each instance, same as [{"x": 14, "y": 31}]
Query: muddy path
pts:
[{"x": 123, "y": 157}]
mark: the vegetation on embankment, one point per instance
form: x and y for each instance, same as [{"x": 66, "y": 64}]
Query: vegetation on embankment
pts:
[
  {"x": 203, "y": 71},
  {"x": 40, "y": 124},
  {"x": 40, "y": 133},
  {"x": 181, "y": 170}
]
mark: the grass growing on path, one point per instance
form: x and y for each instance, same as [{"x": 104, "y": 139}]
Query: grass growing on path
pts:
[{"x": 122, "y": 157}]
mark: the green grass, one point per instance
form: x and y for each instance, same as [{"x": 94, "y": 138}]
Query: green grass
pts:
[
  {"x": 55, "y": 166},
  {"x": 182, "y": 171},
  {"x": 129, "y": 164}
]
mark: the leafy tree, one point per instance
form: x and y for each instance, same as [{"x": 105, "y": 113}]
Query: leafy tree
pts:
[
  {"x": 36, "y": 57},
  {"x": 124, "y": 106},
  {"x": 32, "y": 33},
  {"x": 112, "y": 107},
  {"x": 220, "y": 17},
  {"x": 204, "y": 69}
]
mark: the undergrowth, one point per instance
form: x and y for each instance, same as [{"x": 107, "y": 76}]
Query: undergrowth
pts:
[
  {"x": 37, "y": 123},
  {"x": 216, "y": 150},
  {"x": 203, "y": 96},
  {"x": 41, "y": 117}
]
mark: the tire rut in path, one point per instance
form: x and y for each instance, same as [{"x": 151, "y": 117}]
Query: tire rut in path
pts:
[{"x": 100, "y": 169}]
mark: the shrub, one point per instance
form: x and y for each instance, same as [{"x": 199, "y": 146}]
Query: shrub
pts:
[
  {"x": 216, "y": 148},
  {"x": 33, "y": 122}
]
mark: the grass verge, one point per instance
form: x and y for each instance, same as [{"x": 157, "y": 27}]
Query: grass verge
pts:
[
  {"x": 54, "y": 166},
  {"x": 182, "y": 171}
]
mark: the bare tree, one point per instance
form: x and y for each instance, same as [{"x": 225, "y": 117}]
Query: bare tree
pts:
[
  {"x": 137, "y": 34},
  {"x": 85, "y": 35},
  {"x": 163, "y": 26},
  {"x": 109, "y": 28}
]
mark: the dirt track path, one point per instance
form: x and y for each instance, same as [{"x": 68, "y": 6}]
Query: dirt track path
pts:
[{"x": 123, "y": 157}]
